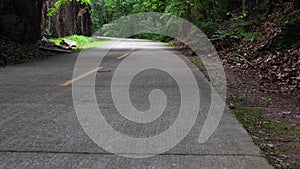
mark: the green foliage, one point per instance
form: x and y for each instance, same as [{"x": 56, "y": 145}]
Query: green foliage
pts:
[
  {"x": 209, "y": 27},
  {"x": 98, "y": 14},
  {"x": 244, "y": 15},
  {"x": 145, "y": 25},
  {"x": 152, "y": 36},
  {"x": 251, "y": 36},
  {"x": 167, "y": 44},
  {"x": 83, "y": 42},
  {"x": 59, "y": 3},
  {"x": 254, "y": 120},
  {"x": 197, "y": 62},
  {"x": 206, "y": 14},
  {"x": 47, "y": 34},
  {"x": 240, "y": 28},
  {"x": 258, "y": 124}
]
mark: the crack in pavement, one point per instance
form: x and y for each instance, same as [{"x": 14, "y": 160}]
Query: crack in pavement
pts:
[{"x": 110, "y": 154}]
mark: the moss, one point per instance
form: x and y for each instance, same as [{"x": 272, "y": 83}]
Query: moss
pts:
[
  {"x": 256, "y": 123},
  {"x": 83, "y": 42},
  {"x": 167, "y": 44},
  {"x": 197, "y": 62}
]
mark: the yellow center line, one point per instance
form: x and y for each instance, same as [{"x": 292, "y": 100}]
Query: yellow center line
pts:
[
  {"x": 123, "y": 56},
  {"x": 68, "y": 83}
]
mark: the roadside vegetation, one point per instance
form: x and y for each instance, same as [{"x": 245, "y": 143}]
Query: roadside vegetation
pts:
[
  {"x": 264, "y": 131},
  {"x": 258, "y": 42},
  {"x": 15, "y": 53},
  {"x": 278, "y": 139},
  {"x": 82, "y": 42}
]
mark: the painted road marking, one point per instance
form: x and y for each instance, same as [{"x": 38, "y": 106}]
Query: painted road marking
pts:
[
  {"x": 123, "y": 56},
  {"x": 68, "y": 83}
]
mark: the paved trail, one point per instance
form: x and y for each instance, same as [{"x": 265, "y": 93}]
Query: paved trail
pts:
[{"x": 39, "y": 127}]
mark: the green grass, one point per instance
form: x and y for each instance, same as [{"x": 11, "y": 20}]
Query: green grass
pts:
[
  {"x": 256, "y": 123},
  {"x": 197, "y": 62},
  {"x": 264, "y": 130},
  {"x": 83, "y": 42},
  {"x": 253, "y": 119},
  {"x": 167, "y": 44}
]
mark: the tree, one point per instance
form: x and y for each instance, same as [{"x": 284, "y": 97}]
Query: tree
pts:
[
  {"x": 20, "y": 20},
  {"x": 59, "y": 3}
]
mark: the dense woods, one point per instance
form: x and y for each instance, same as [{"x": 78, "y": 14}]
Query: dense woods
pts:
[
  {"x": 72, "y": 18},
  {"x": 257, "y": 40},
  {"x": 30, "y": 18},
  {"x": 260, "y": 25},
  {"x": 20, "y": 20}
]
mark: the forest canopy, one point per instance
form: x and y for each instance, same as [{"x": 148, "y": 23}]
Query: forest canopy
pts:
[
  {"x": 59, "y": 3},
  {"x": 206, "y": 14}
]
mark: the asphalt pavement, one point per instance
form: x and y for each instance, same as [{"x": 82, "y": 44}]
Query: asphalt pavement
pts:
[{"x": 40, "y": 128}]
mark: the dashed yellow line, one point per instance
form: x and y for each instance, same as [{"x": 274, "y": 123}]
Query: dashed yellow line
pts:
[
  {"x": 68, "y": 83},
  {"x": 123, "y": 56}
]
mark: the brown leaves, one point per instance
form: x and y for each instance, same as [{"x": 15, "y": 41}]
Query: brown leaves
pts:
[
  {"x": 281, "y": 68},
  {"x": 12, "y": 52}
]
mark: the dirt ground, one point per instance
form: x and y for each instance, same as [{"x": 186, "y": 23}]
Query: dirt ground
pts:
[{"x": 278, "y": 106}]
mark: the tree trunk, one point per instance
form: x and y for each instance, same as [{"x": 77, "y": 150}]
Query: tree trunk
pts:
[
  {"x": 73, "y": 18},
  {"x": 20, "y": 20}
]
